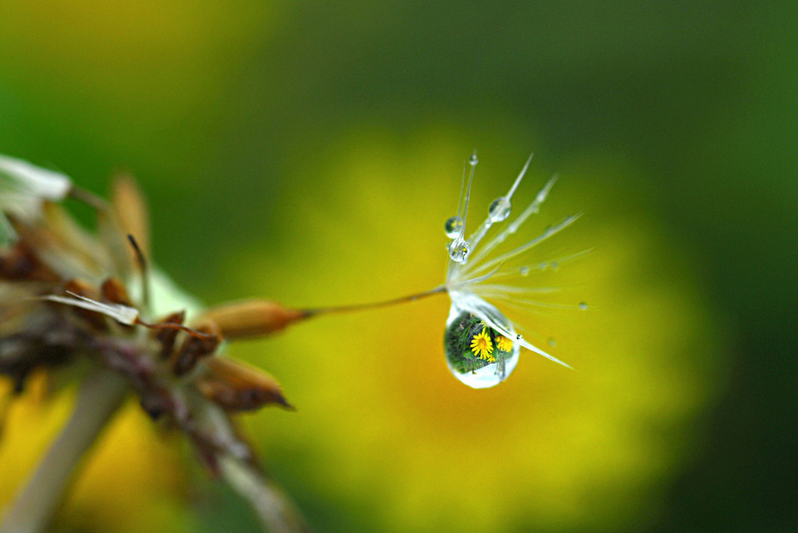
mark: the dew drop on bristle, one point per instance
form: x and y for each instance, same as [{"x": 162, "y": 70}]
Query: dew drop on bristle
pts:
[
  {"x": 552, "y": 342},
  {"x": 453, "y": 226},
  {"x": 462, "y": 327},
  {"x": 525, "y": 271},
  {"x": 458, "y": 250},
  {"x": 583, "y": 306},
  {"x": 499, "y": 210},
  {"x": 473, "y": 160}
]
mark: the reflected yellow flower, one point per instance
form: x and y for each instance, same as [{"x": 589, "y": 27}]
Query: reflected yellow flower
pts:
[
  {"x": 504, "y": 344},
  {"x": 482, "y": 346}
]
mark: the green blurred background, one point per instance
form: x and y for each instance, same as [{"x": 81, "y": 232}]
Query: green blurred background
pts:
[{"x": 310, "y": 152}]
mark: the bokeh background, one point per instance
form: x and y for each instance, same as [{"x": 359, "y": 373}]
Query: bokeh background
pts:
[{"x": 310, "y": 152}]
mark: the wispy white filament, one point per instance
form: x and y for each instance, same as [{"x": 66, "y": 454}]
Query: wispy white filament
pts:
[
  {"x": 464, "y": 280},
  {"x": 121, "y": 313}
]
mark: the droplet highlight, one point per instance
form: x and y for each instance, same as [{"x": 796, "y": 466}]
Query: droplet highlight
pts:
[
  {"x": 453, "y": 226},
  {"x": 499, "y": 210}
]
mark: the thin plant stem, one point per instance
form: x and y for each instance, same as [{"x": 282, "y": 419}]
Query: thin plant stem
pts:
[
  {"x": 100, "y": 396},
  {"x": 362, "y": 307},
  {"x": 274, "y": 510}
]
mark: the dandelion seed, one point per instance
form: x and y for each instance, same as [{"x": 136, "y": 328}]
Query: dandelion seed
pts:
[{"x": 469, "y": 350}]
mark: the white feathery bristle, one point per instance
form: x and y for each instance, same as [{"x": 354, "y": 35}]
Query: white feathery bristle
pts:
[
  {"x": 121, "y": 313},
  {"x": 21, "y": 177}
]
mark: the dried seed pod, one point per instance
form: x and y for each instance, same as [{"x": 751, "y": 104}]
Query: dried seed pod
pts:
[
  {"x": 195, "y": 348},
  {"x": 235, "y": 386},
  {"x": 167, "y": 337},
  {"x": 114, "y": 291},
  {"x": 21, "y": 263},
  {"x": 253, "y": 318}
]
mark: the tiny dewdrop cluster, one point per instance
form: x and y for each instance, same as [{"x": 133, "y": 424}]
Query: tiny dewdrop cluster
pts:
[{"x": 481, "y": 344}]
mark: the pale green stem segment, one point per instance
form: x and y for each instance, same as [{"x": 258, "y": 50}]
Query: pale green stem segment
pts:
[
  {"x": 274, "y": 510},
  {"x": 99, "y": 398}
]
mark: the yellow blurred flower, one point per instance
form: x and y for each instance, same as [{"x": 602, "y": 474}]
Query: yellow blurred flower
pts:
[{"x": 575, "y": 451}]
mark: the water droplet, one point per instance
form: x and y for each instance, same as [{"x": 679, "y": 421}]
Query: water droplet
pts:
[
  {"x": 552, "y": 342},
  {"x": 554, "y": 265},
  {"x": 583, "y": 306},
  {"x": 477, "y": 354},
  {"x": 499, "y": 209},
  {"x": 524, "y": 270},
  {"x": 453, "y": 227},
  {"x": 458, "y": 250},
  {"x": 519, "y": 337},
  {"x": 473, "y": 160}
]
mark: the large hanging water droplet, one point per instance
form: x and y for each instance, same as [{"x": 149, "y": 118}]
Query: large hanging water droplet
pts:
[
  {"x": 473, "y": 160},
  {"x": 499, "y": 210},
  {"x": 458, "y": 250},
  {"x": 453, "y": 227},
  {"x": 477, "y": 354}
]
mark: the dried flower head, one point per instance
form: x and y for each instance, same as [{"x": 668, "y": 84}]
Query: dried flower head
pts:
[{"x": 67, "y": 295}]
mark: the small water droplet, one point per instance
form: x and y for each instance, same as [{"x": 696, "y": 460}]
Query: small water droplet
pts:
[
  {"x": 458, "y": 250},
  {"x": 583, "y": 306},
  {"x": 499, "y": 209},
  {"x": 524, "y": 270},
  {"x": 519, "y": 337},
  {"x": 473, "y": 160},
  {"x": 453, "y": 227},
  {"x": 555, "y": 265},
  {"x": 552, "y": 342}
]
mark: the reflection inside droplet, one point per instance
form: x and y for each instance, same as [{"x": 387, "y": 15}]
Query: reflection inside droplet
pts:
[
  {"x": 458, "y": 250},
  {"x": 477, "y": 354},
  {"x": 453, "y": 226},
  {"x": 499, "y": 210}
]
